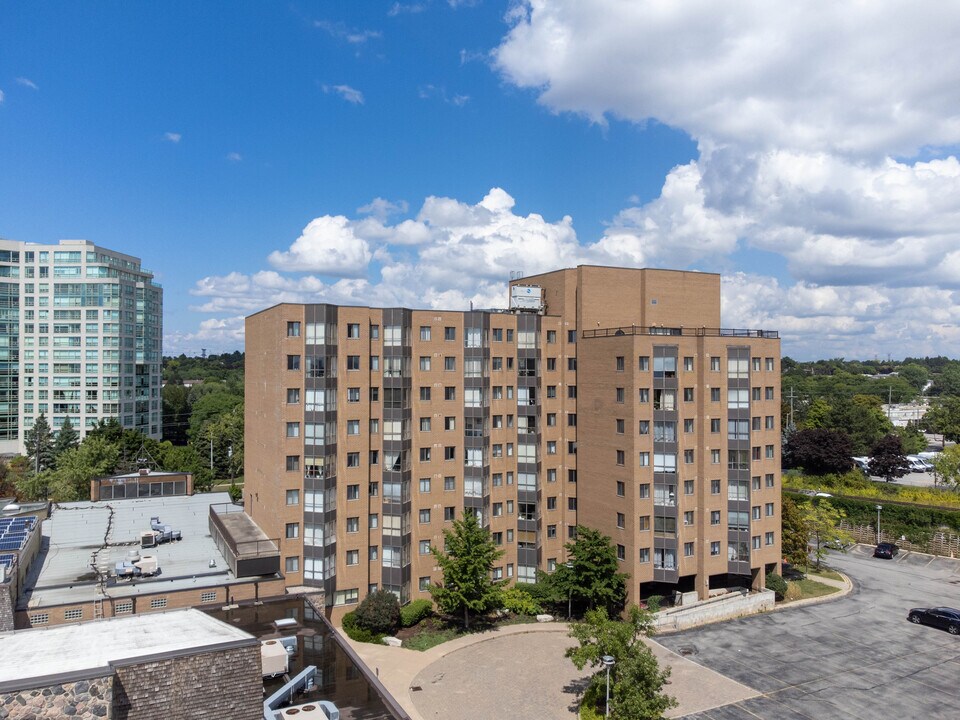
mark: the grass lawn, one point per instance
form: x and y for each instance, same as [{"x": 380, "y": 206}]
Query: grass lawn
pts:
[
  {"x": 826, "y": 573},
  {"x": 436, "y": 630},
  {"x": 807, "y": 588}
]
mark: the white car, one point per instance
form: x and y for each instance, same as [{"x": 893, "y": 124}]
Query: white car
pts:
[{"x": 918, "y": 464}]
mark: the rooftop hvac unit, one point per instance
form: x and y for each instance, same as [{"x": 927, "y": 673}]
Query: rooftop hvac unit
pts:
[
  {"x": 322, "y": 710},
  {"x": 273, "y": 658}
]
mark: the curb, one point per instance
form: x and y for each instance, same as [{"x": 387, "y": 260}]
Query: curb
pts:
[{"x": 844, "y": 591}]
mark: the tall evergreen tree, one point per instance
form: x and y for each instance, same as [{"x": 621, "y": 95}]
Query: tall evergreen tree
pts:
[
  {"x": 594, "y": 577},
  {"x": 67, "y": 439},
  {"x": 39, "y": 443}
]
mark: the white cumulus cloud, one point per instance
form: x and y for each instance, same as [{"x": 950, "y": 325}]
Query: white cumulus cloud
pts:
[{"x": 172, "y": 137}]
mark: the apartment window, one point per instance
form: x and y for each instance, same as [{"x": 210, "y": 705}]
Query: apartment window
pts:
[
  {"x": 293, "y": 362},
  {"x": 424, "y": 394},
  {"x": 688, "y": 549},
  {"x": 353, "y": 492},
  {"x": 688, "y": 394},
  {"x": 621, "y": 520},
  {"x": 621, "y": 488},
  {"x": 715, "y": 548},
  {"x": 769, "y": 509},
  {"x": 688, "y": 517},
  {"x": 571, "y": 532},
  {"x": 374, "y": 332},
  {"x": 665, "y": 462},
  {"x": 714, "y": 487},
  {"x": 644, "y": 555},
  {"x": 346, "y": 597},
  {"x": 756, "y": 542},
  {"x": 768, "y": 393},
  {"x": 424, "y": 516},
  {"x": 293, "y": 396},
  {"x": 293, "y": 463},
  {"x": 755, "y": 482},
  {"x": 688, "y": 425},
  {"x": 715, "y": 457},
  {"x": 644, "y": 395},
  {"x": 768, "y": 422},
  {"x": 551, "y": 419},
  {"x": 755, "y": 512},
  {"x": 621, "y": 552},
  {"x": 353, "y": 557},
  {"x": 755, "y": 394},
  {"x": 620, "y": 395},
  {"x": 424, "y": 424},
  {"x": 293, "y": 329},
  {"x": 449, "y": 514},
  {"x": 688, "y": 457},
  {"x": 688, "y": 487},
  {"x": 571, "y": 447},
  {"x": 551, "y": 475},
  {"x": 551, "y": 531},
  {"x": 425, "y": 454},
  {"x": 769, "y": 364},
  {"x": 551, "y": 391},
  {"x": 755, "y": 425},
  {"x": 768, "y": 537},
  {"x": 644, "y": 364},
  {"x": 353, "y": 427},
  {"x": 424, "y": 363},
  {"x": 572, "y": 420},
  {"x": 449, "y": 423},
  {"x": 353, "y": 395},
  {"x": 621, "y": 455},
  {"x": 353, "y": 459},
  {"x": 374, "y": 394},
  {"x": 449, "y": 363},
  {"x": 714, "y": 425},
  {"x": 449, "y": 333},
  {"x": 373, "y": 521},
  {"x": 353, "y": 330},
  {"x": 714, "y": 394},
  {"x": 497, "y": 334},
  {"x": 292, "y": 531},
  {"x": 768, "y": 480},
  {"x": 571, "y": 503},
  {"x": 756, "y": 364},
  {"x": 644, "y": 427},
  {"x": 619, "y": 363},
  {"x": 425, "y": 333},
  {"x": 571, "y": 336},
  {"x": 449, "y": 452},
  {"x": 449, "y": 393},
  {"x": 293, "y": 497},
  {"x": 424, "y": 485},
  {"x": 643, "y": 522},
  {"x": 551, "y": 447},
  {"x": 497, "y": 363},
  {"x": 688, "y": 364},
  {"x": 293, "y": 429},
  {"x": 768, "y": 452},
  {"x": 755, "y": 452},
  {"x": 644, "y": 491},
  {"x": 509, "y": 511}
]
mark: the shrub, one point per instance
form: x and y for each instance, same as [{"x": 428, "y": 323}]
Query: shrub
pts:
[
  {"x": 355, "y": 632},
  {"x": 654, "y": 602},
  {"x": 379, "y": 612},
  {"x": 517, "y": 601},
  {"x": 416, "y": 611},
  {"x": 236, "y": 492},
  {"x": 777, "y": 584}
]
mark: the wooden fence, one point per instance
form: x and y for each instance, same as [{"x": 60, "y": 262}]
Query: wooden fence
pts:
[{"x": 940, "y": 543}]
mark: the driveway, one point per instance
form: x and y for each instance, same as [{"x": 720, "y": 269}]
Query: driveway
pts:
[{"x": 856, "y": 657}]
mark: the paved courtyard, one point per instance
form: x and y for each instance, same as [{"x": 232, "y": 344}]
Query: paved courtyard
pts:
[{"x": 856, "y": 657}]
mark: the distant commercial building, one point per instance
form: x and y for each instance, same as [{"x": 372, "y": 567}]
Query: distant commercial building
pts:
[
  {"x": 80, "y": 337},
  {"x": 606, "y": 397}
]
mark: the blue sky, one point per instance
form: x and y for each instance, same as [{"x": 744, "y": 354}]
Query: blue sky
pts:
[{"x": 414, "y": 154}]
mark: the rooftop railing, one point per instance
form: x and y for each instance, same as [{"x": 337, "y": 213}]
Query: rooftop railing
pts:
[{"x": 680, "y": 331}]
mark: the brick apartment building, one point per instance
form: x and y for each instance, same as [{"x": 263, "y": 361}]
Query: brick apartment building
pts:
[{"x": 607, "y": 397}]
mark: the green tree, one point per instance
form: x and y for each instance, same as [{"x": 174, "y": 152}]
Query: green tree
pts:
[
  {"x": 946, "y": 467},
  {"x": 913, "y": 440},
  {"x": 176, "y": 413},
  {"x": 593, "y": 578},
  {"x": 819, "y": 451},
  {"x": 888, "y": 459},
  {"x": 943, "y": 418},
  {"x": 209, "y": 406},
  {"x": 636, "y": 679},
  {"x": 95, "y": 457},
  {"x": 39, "y": 444},
  {"x": 795, "y": 535},
  {"x": 67, "y": 438},
  {"x": 862, "y": 419},
  {"x": 823, "y": 524},
  {"x": 916, "y": 375},
  {"x": 379, "y": 612},
  {"x": 467, "y": 565}
]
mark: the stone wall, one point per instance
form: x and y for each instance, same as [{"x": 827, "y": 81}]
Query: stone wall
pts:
[
  {"x": 7, "y": 605},
  {"x": 725, "y": 607},
  {"x": 85, "y": 699},
  {"x": 211, "y": 685}
]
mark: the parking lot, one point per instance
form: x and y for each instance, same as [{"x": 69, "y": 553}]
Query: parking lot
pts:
[{"x": 856, "y": 657}]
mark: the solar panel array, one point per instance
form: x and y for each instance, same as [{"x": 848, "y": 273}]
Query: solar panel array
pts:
[
  {"x": 15, "y": 531},
  {"x": 7, "y": 559}
]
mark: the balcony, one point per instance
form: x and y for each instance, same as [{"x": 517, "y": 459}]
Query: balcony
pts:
[{"x": 681, "y": 331}]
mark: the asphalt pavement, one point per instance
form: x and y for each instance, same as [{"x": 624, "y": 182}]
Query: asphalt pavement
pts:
[{"x": 853, "y": 658}]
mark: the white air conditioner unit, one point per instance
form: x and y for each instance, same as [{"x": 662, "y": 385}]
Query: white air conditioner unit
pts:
[{"x": 322, "y": 709}]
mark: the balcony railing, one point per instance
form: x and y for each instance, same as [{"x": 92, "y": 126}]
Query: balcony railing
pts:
[{"x": 684, "y": 331}]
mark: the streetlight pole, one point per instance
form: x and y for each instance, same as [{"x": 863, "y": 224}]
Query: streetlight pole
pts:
[
  {"x": 608, "y": 662},
  {"x": 879, "y": 508}
]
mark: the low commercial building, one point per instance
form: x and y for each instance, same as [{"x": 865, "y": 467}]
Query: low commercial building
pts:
[{"x": 87, "y": 567}]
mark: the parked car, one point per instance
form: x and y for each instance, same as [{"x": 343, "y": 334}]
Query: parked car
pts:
[
  {"x": 863, "y": 463},
  {"x": 838, "y": 545},
  {"x": 940, "y": 617},
  {"x": 886, "y": 550},
  {"x": 918, "y": 464}
]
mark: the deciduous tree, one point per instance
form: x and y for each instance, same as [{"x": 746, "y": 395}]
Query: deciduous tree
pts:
[
  {"x": 823, "y": 524},
  {"x": 819, "y": 451},
  {"x": 467, "y": 565},
  {"x": 594, "y": 578},
  {"x": 946, "y": 467},
  {"x": 888, "y": 459},
  {"x": 795, "y": 535}
]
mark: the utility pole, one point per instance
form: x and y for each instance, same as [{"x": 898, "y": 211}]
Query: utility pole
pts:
[
  {"x": 791, "y": 396},
  {"x": 211, "y": 447}
]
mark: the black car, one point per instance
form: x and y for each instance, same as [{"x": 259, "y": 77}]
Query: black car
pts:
[
  {"x": 886, "y": 550},
  {"x": 942, "y": 617}
]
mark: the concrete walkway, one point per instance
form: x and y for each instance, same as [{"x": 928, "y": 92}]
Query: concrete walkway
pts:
[{"x": 520, "y": 671}]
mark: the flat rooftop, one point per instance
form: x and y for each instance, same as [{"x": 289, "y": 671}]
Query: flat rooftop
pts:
[
  {"x": 89, "y": 648},
  {"x": 64, "y": 573}
]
